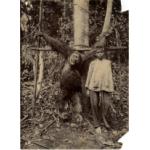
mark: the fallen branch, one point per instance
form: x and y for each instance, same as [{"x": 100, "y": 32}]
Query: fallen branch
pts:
[
  {"x": 24, "y": 118},
  {"x": 51, "y": 123},
  {"x": 38, "y": 144}
]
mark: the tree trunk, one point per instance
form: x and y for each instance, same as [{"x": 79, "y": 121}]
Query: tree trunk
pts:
[
  {"x": 35, "y": 70},
  {"x": 106, "y": 25},
  {"x": 40, "y": 62},
  {"x": 108, "y": 16},
  {"x": 40, "y": 73},
  {"x": 81, "y": 24}
]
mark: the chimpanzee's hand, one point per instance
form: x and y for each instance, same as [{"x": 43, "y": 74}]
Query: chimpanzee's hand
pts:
[{"x": 87, "y": 92}]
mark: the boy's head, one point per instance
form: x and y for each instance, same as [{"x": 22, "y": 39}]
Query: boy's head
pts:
[{"x": 100, "y": 54}]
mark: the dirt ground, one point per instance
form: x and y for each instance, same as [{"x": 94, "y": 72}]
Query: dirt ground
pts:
[
  {"x": 70, "y": 136},
  {"x": 47, "y": 131}
]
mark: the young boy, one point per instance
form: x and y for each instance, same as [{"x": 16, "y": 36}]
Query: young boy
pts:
[{"x": 99, "y": 84}]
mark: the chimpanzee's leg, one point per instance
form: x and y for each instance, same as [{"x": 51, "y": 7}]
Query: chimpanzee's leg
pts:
[
  {"x": 64, "y": 98},
  {"x": 77, "y": 107}
]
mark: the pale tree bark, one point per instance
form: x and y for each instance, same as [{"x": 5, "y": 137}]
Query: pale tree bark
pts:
[
  {"x": 38, "y": 66},
  {"x": 40, "y": 73},
  {"x": 108, "y": 16},
  {"x": 102, "y": 39},
  {"x": 81, "y": 24},
  {"x": 40, "y": 62}
]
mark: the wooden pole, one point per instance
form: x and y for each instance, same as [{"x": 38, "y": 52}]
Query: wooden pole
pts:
[
  {"x": 40, "y": 62},
  {"x": 38, "y": 75}
]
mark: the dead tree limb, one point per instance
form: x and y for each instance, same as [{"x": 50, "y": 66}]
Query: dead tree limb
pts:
[{"x": 46, "y": 128}]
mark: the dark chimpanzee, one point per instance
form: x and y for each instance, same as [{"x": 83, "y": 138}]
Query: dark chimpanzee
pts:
[
  {"x": 70, "y": 81},
  {"x": 70, "y": 84}
]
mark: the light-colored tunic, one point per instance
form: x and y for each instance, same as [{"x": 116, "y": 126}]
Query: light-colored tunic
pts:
[{"x": 99, "y": 76}]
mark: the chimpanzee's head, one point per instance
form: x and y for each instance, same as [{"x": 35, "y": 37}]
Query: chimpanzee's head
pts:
[{"x": 75, "y": 58}]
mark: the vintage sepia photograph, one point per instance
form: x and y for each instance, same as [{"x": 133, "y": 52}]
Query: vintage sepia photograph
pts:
[{"x": 74, "y": 66}]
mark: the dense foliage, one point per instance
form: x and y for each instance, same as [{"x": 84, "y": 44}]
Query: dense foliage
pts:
[{"x": 57, "y": 21}]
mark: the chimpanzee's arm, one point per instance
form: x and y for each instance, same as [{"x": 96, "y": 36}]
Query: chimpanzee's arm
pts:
[
  {"x": 90, "y": 54},
  {"x": 57, "y": 45}
]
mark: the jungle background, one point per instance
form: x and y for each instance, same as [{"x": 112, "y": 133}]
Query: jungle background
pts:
[{"x": 46, "y": 129}]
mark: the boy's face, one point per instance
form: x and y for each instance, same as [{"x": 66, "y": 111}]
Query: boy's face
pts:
[{"x": 100, "y": 55}]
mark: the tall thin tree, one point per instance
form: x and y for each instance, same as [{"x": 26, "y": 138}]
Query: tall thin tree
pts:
[
  {"x": 106, "y": 25},
  {"x": 38, "y": 65}
]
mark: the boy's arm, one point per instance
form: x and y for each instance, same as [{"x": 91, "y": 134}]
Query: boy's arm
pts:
[
  {"x": 111, "y": 82},
  {"x": 90, "y": 71}
]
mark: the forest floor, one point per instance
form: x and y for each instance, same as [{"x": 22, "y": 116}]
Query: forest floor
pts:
[
  {"x": 46, "y": 130},
  {"x": 71, "y": 136}
]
